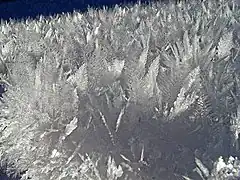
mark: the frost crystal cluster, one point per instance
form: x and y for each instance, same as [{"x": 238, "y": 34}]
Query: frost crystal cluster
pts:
[{"x": 131, "y": 93}]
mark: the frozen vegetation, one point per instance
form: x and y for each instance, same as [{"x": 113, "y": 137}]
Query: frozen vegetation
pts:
[{"x": 130, "y": 93}]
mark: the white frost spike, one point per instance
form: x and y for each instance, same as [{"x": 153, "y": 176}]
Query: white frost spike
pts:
[
  {"x": 186, "y": 178},
  {"x": 113, "y": 172},
  {"x": 38, "y": 81},
  {"x": 79, "y": 15},
  {"x": 97, "y": 43},
  {"x": 6, "y": 48},
  {"x": 138, "y": 19},
  {"x": 106, "y": 125},
  {"x": 75, "y": 18},
  {"x": 89, "y": 36},
  {"x": 55, "y": 153},
  {"x": 220, "y": 164},
  {"x": 201, "y": 166},
  {"x": 124, "y": 157},
  {"x": 148, "y": 83},
  {"x": 97, "y": 30},
  {"x": 142, "y": 154},
  {"x": 80, "y": 78},
  {"x": 117, "y": 67},
  {"x": 143, "y": 57},
  {"x": 120, "y": 116},
  {"x": 182, "y": 103},
  {"x": 49, "y": 33},
  {"x": 225, "y": 45},
  {"x": 4, "y": 30},
  {"x": 43, "y": 134},
  {"x": 5, "y": 111},
  {"x": 71, "y": 126},
  {"x": 187, "y": 46},
  {"x": 37, "y": 28}
]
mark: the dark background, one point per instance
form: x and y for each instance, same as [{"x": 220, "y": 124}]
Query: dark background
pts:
[{"x": 19, "y": 9}]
